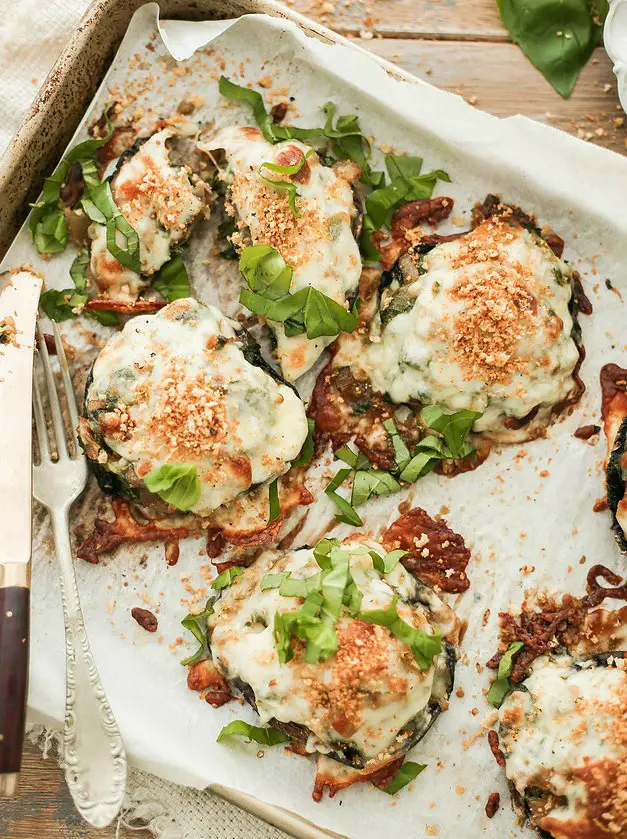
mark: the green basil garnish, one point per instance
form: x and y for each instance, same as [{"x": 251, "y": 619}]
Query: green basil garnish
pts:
[
  {"x": 424, "y": 646},
  {"x": 372, "y": 482},
  {"x": 47, "y": 222},
  {"x": 267, "y": 736},
  {"x": 347, "y": 514},
  {"x": 176, "y": 484},
  {"x": 501, "y": 685},
  {"x": 285, "y": 186},
  {"x": 405, "y": 775},
  {"x": 171, "y": 280},
  {"x": 101, "y": 208},
  {"x": 275, "y": 504},
  {"x": 306, "y": 453},
  {"x": 386, "y": 564},
  {"x": 401, "y": 452},
  {"x": 225, "y": 578},
  {"x": 59, "y": 305},
  {"x": 454, "y": 428},
  {"x": 197, "y": 625}
]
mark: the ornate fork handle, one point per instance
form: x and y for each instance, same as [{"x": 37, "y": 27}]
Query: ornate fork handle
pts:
[{"x": 95, "y": 761}]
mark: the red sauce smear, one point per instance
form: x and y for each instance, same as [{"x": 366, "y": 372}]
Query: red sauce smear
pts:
[
  {"x": 436, "y": 554},
  {"x": 381, "y": 778},
  {"x": 613, "y": 381},
  {"x": 493, "y": 740}
]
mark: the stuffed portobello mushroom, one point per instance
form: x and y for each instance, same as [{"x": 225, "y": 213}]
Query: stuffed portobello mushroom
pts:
[
  {"x": 181, "y": 413},
  {"x": 483, "y": 323},
  {"x": 563, "y": 733},
  {"x": 614, "y": 412},
  {"x": 160, "y": 203},
  {"x": 284, "y": 196},
  {"x": 339, "y": 647}
]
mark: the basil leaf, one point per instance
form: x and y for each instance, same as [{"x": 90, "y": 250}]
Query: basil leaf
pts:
[
  {"x": 386, "y": 564},
  {"x": 266, "y": 736},
  {"x": 306, "y": 453},
  {"x": 402, "y": 166},
  {"x": 270, "y": 581},
  {"x": 325, "y": 316},
  {"x": 265, "y": 271},
  {"x": 425, "y": 646},
  {"x": 401, "y": 452},
  {"x": 557, "y": 36},
  {"x": 356, "y": 460},
  {"x": 285, "y": 186},
  {"x": 48, "y": 228},
  {"x": 404, "y": 776},
  {"x": 176, "y": 484},
  {"x": 347, "y": 514},
  {"x": 59, "y": 305},
  {"x": 501, "y": 685},
  {"x": 453, "y": 427},
  {"x": 103, "y": 316},
  {"x": 225, "y": 578},
  {"x": 382, "y": 201},
  {"x": 171, "y": 280},
  {"x": 322, "y": 551},
  {"x": 282, "y": 637},
  {"x": 349, "y": 143},
  {"x": 420, "y": 465},
  {"x": 367, "y": 483},
  {"x": 78, "y": 269},
  {"x": 272, "y": 133},
  {"x": 367, "y": 248},
  {"x": 197, "y": 625},
  {"x": 275, "y": 504}
]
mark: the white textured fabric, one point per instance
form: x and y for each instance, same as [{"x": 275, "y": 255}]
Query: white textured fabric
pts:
[{"x": 32, "y": 34}]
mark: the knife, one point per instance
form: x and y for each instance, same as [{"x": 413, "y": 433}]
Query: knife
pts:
[{"x": 19, "y": 299}]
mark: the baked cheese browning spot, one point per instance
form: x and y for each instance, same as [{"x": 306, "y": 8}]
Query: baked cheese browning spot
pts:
[
  {"x": 183, "y": 388},
  {"x": 365, "y": 703},
  {"x": 160, "y": 203},
  {"x": 483, "y": 323}
]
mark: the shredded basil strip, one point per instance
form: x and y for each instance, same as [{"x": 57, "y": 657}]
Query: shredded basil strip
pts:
[
  {"x": 275, "y": 504},
  {"x": 47, "y": 223},
  {"x": 372, "y": 482},
  {"x": 501, "y": 685},
  {"x": 401, "y": 452},
  {"x": 176, "y": 484},
  {"x": 197, "y": 625},
  {"x": 171, "y": 280},
  {"x": 424, "y": 646},
  {"x": 306, "y": 453},
  {"x": 386, "y": 564},
  {"x": 347, "y": 514},
  {"x": 101, "y": 208},
  {"x": 266, "y": 736},
  {"x": 60, "y": 305},
  {"x": 285, "y": 186},
  {"x": 225, "y": 578},
  {"x": 453, "y": 427},
  {"x": 405, "y": 775},
  {"x": 354, "y": 459}
]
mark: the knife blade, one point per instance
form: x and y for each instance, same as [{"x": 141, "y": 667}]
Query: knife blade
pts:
[{"x": 19, "y": 300}]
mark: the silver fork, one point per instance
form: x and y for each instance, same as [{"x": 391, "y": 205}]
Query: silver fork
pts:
[{"x": 95, "y": 760}]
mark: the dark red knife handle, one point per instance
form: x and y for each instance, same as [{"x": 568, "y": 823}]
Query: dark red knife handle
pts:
[{"x": 14, "y": 625}]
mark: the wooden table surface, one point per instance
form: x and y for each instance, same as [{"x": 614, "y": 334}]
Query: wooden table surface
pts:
[{"x": 458, "y": 45}]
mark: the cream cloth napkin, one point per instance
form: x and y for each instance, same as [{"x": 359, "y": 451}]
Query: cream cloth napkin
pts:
[{"x": 32, "y": 35}]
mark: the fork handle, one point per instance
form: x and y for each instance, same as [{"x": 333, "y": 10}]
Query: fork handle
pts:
[
  {"x": 14, "y": 626},
  {"x": 95, "y": 761}
]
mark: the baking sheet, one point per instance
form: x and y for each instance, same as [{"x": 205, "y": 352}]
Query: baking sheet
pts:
[{"x": 527, "y": 507}]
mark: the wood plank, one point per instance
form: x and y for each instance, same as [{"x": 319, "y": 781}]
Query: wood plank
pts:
[
  {"x": 499, "y": 79},
  {"x": 43, "y": 808},
  {"x": 441, "y": 19}
]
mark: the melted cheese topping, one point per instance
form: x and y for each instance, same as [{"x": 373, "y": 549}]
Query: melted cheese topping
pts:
[
  {"x": 319, "y": 246},
  {"x": 159, "y": 202},
  {"x": 567, "y": 734},
  {"x": 364, "y": 694},
  {"x": 490, "y": 329},
  {"x": 175, "y": 388}
]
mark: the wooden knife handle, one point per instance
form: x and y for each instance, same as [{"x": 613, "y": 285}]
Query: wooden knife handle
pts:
[{"x": 14, "y": 627}]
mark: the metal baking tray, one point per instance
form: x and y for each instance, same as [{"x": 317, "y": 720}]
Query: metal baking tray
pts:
[{"x": 50, "y": 123}]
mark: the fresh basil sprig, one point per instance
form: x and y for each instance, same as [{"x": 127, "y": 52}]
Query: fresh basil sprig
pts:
[
  {"x": 47, "y": 222},
  {"x": 171, "y": 280},
  {"x": 285, "y": 186},
  {"x": 348, "y": 143},
  {"x": 501, "y": 685},
  {"x": 405, "y": 775},
  {"x": 266, "y": 736},
  {"x": 557, "y": 36},
  {"x": 424, "y": 646},
  {"x": 197, "y": 625},
  {"x": 177, "y": 484},
  {"x": 307, "y": 310}
]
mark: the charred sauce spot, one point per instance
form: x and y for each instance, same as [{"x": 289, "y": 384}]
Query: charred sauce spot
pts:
[
  {"x": 124, "y": 307},
  {"x": 145, "y": 619},
  {"x": 493, "y": 741},
  {"x": 381, "y": 778},
  {"x": 436, "y": 554},
  {"x": 205, "y": 676}
]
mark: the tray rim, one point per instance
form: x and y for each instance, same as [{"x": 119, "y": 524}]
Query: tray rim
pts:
[{"x": 21, "y": 178}]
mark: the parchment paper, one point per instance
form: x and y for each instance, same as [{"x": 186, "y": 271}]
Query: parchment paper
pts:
[{"x": 527, "y": 507}]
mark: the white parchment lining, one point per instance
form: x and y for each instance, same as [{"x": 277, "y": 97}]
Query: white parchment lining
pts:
[{"x": 528, "y": 506}]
